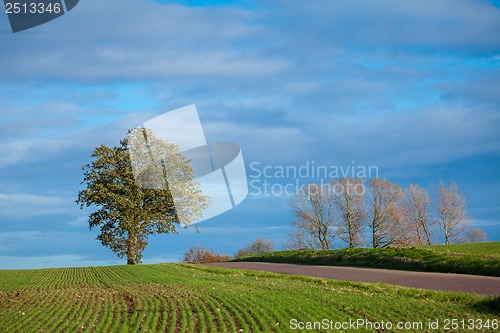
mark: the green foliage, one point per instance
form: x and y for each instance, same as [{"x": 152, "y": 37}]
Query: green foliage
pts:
[
  {"x": 193, "y": 298},
  {"x": 478, "y": 259},
  {"x": 128, "y": 213}
]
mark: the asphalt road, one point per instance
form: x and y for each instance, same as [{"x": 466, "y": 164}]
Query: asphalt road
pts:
[{"x": 439, "y": 281}]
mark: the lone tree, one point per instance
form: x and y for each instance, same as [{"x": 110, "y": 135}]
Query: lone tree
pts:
[{"x": 133, "y": 205}]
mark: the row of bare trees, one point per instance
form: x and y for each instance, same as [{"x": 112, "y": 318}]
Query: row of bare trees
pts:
[{"x": 346, "y": 207}]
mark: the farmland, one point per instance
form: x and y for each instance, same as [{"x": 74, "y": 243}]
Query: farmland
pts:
[
  {"x": 191, "y": 298},
  {"x": 477, "y": 259}
]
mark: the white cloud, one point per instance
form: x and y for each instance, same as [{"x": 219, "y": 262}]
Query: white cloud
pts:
[
  {"x": 149, "y": 40},
  {"x": 80, "y": 221},
  {"x": 46, "y": 242},
  {"x": 445, "y": 24},
  {"x": 40, "y": 134},
  {"x": 170, "y": 42},
  {"x": 412, "y": 139},
  {"x": 14, "y": 152},
  {"x": 266, "y": 142},
  {"x": 485, "y": 222},
  {"x": 22, "y": 206}
]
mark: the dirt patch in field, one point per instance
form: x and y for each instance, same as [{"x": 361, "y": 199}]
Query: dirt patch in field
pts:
[{"x": 130, "y": 301}]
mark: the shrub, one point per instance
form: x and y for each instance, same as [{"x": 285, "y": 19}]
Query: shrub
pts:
[
  {"x": 256, "y": 247},
  {"x": 200, "y": 255},
  {"x": 243, "y": 253}
]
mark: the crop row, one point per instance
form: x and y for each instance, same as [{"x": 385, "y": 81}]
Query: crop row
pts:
[{"x": 174, "y": 298}]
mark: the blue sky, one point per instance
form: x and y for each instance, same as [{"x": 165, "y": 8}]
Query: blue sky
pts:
[{"x": 408, "y": 86}]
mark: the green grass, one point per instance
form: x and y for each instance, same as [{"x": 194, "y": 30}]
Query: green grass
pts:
[
  {"x": 478, "y": 259},
  {"x": 479, "y": 249},
  {"x": 188, "y": 298}
]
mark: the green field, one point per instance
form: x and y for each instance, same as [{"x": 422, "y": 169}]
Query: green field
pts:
[
  {"x": 478, "y": 259},
  {"x": 188, "y": 298}
]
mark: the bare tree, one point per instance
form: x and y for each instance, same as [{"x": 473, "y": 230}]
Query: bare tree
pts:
[
  {"x": 404, "y": 230},
  {"x": 349, "y": 202},
  {"x": 258, "y": 246},
  {"x": 313, "y": 226},
  {"x": 415, "y": 214},
  {"x": 475, "y": 235},
  {"x": 385, "y": 222},
  {"x": 450, "y": 211}
]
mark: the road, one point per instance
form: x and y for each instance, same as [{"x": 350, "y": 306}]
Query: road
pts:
[{"x": 439, "y": 281}]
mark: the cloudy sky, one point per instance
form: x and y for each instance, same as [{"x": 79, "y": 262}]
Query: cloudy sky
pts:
[{"x": 408, "y": 86}]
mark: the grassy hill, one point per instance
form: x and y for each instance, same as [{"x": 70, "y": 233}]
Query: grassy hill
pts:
[
  {"x": 189, "y": 298},
  {"x": 478, "y": 259}
]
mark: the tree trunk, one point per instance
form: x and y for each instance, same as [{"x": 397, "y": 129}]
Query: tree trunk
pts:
[
  {"x": 351, "y": 233},
  {"x": 374, "y": 235},
  {"x": 132, "y": 249}
]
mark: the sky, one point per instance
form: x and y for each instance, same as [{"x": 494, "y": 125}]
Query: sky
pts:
[{"x": 410, "y": 87}]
